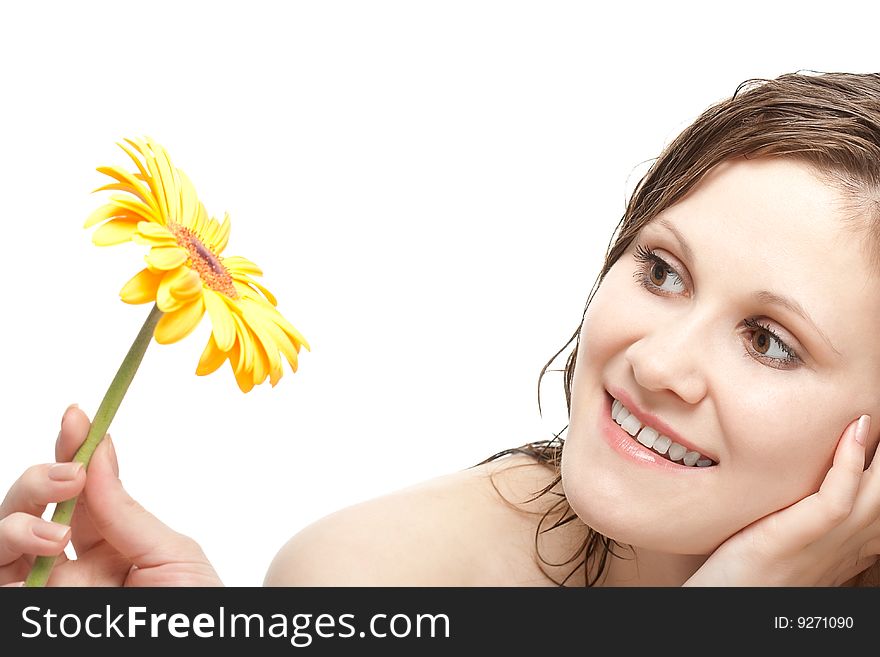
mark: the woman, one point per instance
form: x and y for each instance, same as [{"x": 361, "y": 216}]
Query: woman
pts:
[{"x": 720, "y": 391}]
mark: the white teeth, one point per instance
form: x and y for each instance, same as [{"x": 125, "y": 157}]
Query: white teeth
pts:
[
  {"x": 647, "y": 436},
  {"x": 676, "y": 451},
  {"x": 631, "y": 425},
  {"x": 662, "y": 444},
  {"x": 651, "y": 438}
]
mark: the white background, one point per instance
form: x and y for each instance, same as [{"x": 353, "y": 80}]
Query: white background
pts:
[{"x": 429, "y": 187}]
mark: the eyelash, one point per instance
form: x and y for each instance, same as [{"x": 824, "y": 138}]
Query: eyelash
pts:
[{"x": 648, "y": 259}]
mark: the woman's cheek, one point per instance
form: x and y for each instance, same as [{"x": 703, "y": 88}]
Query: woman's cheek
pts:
[
  {"x": 766, "y": 432},
  {"x": 613, "y": 321}
]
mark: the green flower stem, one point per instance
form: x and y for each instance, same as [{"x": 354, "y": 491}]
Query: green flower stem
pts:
[{"x": 63, "y": 514}]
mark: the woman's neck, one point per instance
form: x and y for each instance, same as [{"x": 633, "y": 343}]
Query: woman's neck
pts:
[{"x": 640, "y": 567}]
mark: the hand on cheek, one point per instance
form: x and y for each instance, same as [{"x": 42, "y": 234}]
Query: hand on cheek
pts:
[{"x": 825, "y": 539}]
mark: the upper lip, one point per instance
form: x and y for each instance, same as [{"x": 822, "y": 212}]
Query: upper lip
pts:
[{"x": 654, "y": 421}]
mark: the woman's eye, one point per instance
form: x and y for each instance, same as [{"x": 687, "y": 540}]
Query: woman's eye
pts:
[
  {"x": 661, "y": 274},
  {"x": 656, "y": 273},
  {"x": 770, "y": 347},
  {"x": 764, "y": 343}
]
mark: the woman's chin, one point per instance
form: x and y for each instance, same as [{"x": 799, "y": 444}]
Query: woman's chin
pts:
[
  {"x": 619, "y": 514},
  {"x": 647, "y": 534}
]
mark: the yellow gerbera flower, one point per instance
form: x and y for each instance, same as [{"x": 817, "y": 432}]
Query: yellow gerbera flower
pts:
[{"x": 185, "y": 273}]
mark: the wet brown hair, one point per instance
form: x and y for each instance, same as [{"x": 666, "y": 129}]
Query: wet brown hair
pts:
[{"x": 829, "y": 121}]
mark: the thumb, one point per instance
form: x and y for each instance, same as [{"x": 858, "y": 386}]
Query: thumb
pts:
[{"x": 136, "y": 533}]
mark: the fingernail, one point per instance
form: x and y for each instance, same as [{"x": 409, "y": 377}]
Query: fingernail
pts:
[
  {"x": 864, "y": 424},
  {"x": 67, "y": 410},
  {"x": 111, "y": 452},
  {"x": 51, "y": 531},
  {"x": 64, "y": 471}
]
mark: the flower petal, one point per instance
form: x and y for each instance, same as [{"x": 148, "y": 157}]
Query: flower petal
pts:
[
  {"x": 115, "y": 231},
  {"x": 245, "y": 381},
  {"x": 180, "y": 323},
  {"x": 270, "y": 337},
  {"x": 222, "y": 235},
  {"x": 261, "y": 363},
  {"x": 166, "y": 257},
  {"x": 139, "y": 147},
  {"x": 266, "y": 293},
  {"x": 237, "y": 264},
  {"x": 246, "y": 359},
  {"x": 199, "y": 221},
  {"x": 242, "y": 376},
  {"x": 275, "y": 375},
  {"x": 127, "y": 183},
  {"x": 155, "y": 180},
  {"x": 211, "y": 359},
  {"x": 287, "y": 327},
  {"x": 223, "y": 326},
  {"x": 283, "y": 342},
  {"x": 167, "y": 181},
  {"x": 134, "y": 207},
  {"x": 105, "y": 212},
  {"x": 155, "y": 231},
  {"x": 165, "y": 298},
  {"x": 189, "y": 202},
  {"x": 156, "y": 193},
  {"x": 187, "y": 287},
  {"x": 141, "y": 288}
]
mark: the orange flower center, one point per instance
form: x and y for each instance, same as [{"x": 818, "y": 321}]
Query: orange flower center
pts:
[{"x": 204, "y": 262}]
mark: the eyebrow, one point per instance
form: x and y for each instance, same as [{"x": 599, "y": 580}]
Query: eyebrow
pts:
[
  {"x": 682, "y": 242},
  {"x": 764, "y": 296}
]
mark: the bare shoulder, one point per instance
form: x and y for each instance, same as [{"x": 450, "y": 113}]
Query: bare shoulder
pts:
[{"x": 475, "y": 527}]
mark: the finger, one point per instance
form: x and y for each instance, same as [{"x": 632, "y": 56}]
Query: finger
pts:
[
  {"x": 135, "y": 532},
  {"x": 41, "y": 485},
  {"x": 817, "y": 514},
  {"x": 22, "y": 534},
  {"x": 85, "y": 534},
  {"x": 20, "y": 569},
  {"x": 75, "y": 426},
  {"x": 873, "y": 453},
  {"x": 866, "y": 512},
  {"x": 841, "y": 484}
]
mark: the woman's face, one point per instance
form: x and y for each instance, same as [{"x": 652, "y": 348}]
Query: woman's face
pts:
[{"x": 705, "y": 350}]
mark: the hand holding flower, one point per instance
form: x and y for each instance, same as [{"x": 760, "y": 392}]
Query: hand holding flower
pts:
[{"x": 117, "y": 542}]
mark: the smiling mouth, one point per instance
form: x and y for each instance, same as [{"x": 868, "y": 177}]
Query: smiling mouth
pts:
[{"x": 655, "y": 441}]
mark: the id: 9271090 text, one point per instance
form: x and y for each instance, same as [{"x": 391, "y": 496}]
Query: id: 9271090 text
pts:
[{"x": 813, "y": 622}]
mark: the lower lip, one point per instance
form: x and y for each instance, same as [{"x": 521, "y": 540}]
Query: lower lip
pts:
[{"x": 632, "y": 450}]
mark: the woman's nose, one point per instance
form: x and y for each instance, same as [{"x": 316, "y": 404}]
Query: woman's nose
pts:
[{"x": 670, "y": 358}]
